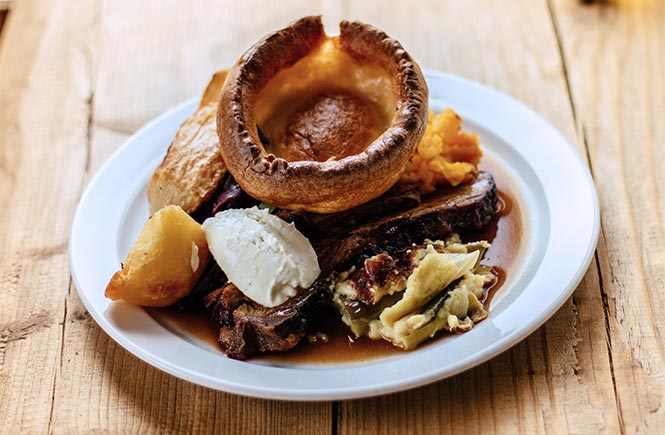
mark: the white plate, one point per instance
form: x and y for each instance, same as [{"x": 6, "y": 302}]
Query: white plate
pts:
[{"x": 549, "y": 181}]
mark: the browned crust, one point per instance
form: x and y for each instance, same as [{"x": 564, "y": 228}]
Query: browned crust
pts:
[
  {"x": 214, "y": 89},
  {"x": 319, "y": 186},
  {"x": 193, "y": 166}
]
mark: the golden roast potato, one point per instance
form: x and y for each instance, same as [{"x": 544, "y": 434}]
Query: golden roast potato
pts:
[{"x": 164, "y": 263}]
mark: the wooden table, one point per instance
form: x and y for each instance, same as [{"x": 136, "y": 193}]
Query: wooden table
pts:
[{"x": 77, "y": 78}]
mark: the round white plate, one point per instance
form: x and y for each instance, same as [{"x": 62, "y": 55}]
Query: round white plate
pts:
[{"x": 547, "y": 178}]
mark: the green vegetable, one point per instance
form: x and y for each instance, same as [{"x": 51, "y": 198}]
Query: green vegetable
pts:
[
  {"x": 357, "y": 314},
  {"x": 270, "y": 208},
  {"x": 435, "y": 272},
  {"x": 441, "y": 293},
  {"x": 449, "y": 310}
]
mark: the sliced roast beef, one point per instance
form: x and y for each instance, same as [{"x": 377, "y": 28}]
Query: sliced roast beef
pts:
[
  {"x": 466, "y": 208},
  {"x": 318, "y": 226},
  {"x": 247, "y": 328}
]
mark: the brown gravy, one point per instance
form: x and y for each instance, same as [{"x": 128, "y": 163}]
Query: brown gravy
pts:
[{"x": 503, "y": 232}]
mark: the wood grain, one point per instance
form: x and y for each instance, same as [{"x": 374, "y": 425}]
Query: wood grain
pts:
[
  {"x": 42, "y": 152},
  {"x": 617, "y": 80},
  {"x": 141, "y": 68},
  {"x": 77, "y": 78},
  {"x": 559, "y": 379}
]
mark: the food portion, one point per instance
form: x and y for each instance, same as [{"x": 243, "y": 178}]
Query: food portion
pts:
[
  {"x": 214, "y": 88},
  {"x": 268, "y": 260},
  {"x": 405, "y": 215},
  {"x": 248, "y": 328},
  {"x": 164, "y": 264},
  {"x": 325, "y": 128},
  {"x": 409, "y": 297},
  {"x": 193, "y": 167},
  {"x": 317, "y": 196},
  {"x": 445, "y": 155},
  {"x": 298, "y": 75}
]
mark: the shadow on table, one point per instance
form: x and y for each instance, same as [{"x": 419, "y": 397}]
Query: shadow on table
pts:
[{"x": 3, "y": 18}]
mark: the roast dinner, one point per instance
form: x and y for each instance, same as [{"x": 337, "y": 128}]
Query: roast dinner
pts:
[{"x": 313, "y": 179}]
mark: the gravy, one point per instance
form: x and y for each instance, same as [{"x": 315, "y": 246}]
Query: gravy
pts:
[{"x": 503, "y": 232}]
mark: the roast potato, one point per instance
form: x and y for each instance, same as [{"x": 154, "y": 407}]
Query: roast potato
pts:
[
  {"x": 164, "y": 263},
  {"x": 193, "y": 167}
]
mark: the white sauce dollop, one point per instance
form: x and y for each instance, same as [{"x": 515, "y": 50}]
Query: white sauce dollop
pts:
[{"x": 268, "y": 259}]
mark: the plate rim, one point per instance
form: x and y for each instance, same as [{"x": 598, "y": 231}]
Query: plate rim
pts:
[{"x": 472, "y": 360}]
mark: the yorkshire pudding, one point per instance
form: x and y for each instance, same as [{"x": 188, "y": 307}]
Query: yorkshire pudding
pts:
[{"x": 308, "y": 121}]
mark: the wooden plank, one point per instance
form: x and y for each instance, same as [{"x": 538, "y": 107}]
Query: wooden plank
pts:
[
  {"x": 167, "y": 53},
  {"x": 149, "y": 57},
  {"x": 615, "y": 51},
  {"x": 559, "y": 379},
  {"x": 42, "y": 155},
  {"x": 76, "y": 79}
]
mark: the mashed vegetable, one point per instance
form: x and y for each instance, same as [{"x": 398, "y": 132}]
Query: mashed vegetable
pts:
[
  {"x": 445, "y": 155},
  {"x": 442, "y": 290}
]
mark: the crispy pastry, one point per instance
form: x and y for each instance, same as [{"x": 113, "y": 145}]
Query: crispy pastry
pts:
[
  {"x": 319, "y": 123},
  {"x": 193, "y": 166},
  {"x": 214, "y": 88}
]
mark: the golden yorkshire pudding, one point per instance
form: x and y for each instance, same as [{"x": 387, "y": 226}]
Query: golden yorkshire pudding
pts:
[{"x": 308, "y": 121}]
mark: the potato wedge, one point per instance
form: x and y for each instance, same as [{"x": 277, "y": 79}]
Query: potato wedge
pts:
[
  {"x": 164, "y": 263},
  {"x": 214, "y": 89},
  {"x": 193, "y": 166}
]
